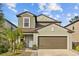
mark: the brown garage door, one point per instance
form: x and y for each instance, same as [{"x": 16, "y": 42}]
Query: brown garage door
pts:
[{"x": 55, "y": 42}]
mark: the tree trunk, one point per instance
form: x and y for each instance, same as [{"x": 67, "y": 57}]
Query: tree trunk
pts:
[
  {"x": 13, "y": 46},
  {"x": 10, "y": 46}
]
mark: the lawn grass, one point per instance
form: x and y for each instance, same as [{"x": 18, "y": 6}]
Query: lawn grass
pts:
[{"x": 17, "y": 53}]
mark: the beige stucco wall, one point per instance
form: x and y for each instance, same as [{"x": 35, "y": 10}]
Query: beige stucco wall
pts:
[
  {"x": 32, "y": 20},
  {"x": 57, "y": 31},
  {"x": 74, "y": 36}
]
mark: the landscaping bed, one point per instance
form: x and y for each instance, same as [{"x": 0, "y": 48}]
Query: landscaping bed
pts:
[{"x": 17, "y": 53}]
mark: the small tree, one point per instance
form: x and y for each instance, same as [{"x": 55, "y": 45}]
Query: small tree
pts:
[
  {"x": 74, "y": 19},
  {"x": 1, "y": 16},
  {"x": 12, "y": 36},
  {"x": 2, "y": 40},
  {"x": 1, "y": 20},
  {"x": 17, "y": 34}
]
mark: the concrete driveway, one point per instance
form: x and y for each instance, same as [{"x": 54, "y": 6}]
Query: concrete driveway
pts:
[{"x": 56, "y": 52}]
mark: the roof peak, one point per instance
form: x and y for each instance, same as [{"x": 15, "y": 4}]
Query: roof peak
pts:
[
  {"x": 49, "y": 17},
  {"x": 36, "y": 15},
  {"x": 25, "y": 12}
]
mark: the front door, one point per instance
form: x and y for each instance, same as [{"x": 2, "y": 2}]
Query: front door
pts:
[{"x": 29, "y": 41}]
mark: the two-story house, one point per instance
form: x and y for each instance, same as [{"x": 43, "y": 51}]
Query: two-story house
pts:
[
  {"x": 43, "y": 31},
  {"x": 8, "y": 24}
]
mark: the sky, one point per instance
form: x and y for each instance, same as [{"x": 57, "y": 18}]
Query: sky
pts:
[{"x": 59, "y": 11}]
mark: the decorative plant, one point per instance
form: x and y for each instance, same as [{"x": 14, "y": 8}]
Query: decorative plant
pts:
[
  {"x": 77, "y": 48},
  {"x": 34, "y": 47},
  {"x": 3, "y": 48},
  {"x": 20, "y": 46}
]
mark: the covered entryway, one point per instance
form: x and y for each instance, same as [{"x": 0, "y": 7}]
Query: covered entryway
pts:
[
  {"x": 52, "y": 42},
  {"x": 29, "y": 41}
]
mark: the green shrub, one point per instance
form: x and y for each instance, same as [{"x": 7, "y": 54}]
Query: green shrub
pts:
[
  {"x": 73, "y": 46},
  {"x": 77, "y": 48},
  {"x": 34, "y": 47},
  {"x": 20, "y": 46},
  {"x": 3, "y": 49}
]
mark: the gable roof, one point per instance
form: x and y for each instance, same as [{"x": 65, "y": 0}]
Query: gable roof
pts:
[
  {"x": 68, "y": 30},
  {"x": 18, "y": 15},
  {"x": 52, "y": 20},
  {"x": 71, "y": 23}
]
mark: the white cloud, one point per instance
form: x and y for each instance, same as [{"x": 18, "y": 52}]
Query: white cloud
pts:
[
  {"x": 63, "y": 14},
  {"x": 76, "y": 14},
  {"x": 42, "y": 6},
  {"x": 12, "y": 6},
  {"x": 26, "y": 10},
  {"x": 50, "y": 6},
  {"x": 68, "y": 19},
  {"x": 76, "y": 7},
  {"x": 69, "y": 15},
  {"x": 55, "y": 7},
  {"x": 47, "y": 8},
  {"x": 57, "y": 16},
  {"x": 47, "y": 13},
  {"x": 51, "y": 16},
  {"x": 12, "y": 9}
]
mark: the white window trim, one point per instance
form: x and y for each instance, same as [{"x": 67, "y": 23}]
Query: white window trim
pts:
[{"x": 23, "y": 22}]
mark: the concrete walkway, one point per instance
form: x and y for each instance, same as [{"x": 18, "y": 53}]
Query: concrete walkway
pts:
[
  {"x": 52, "y": 52},
  {"x": 56, "y": 52}
]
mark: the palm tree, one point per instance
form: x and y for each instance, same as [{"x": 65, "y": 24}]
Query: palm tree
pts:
[
  {"x": 12, "y": 37},
  {"x": 8, "y": 35},
  {"x": 17, "y": 33}
]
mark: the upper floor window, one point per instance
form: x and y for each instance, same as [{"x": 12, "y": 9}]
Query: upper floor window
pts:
[{"x": 26, "y": 22}]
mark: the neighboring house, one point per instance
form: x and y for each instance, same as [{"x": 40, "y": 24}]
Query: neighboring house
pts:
[
  {"x": 75, "y": 35},
  {"x": 8, "y": 24},
  {"x": 43, "y": 31}
]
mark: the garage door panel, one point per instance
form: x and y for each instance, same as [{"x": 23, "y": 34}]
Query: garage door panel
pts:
[{"x": 53, "y": 42}]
